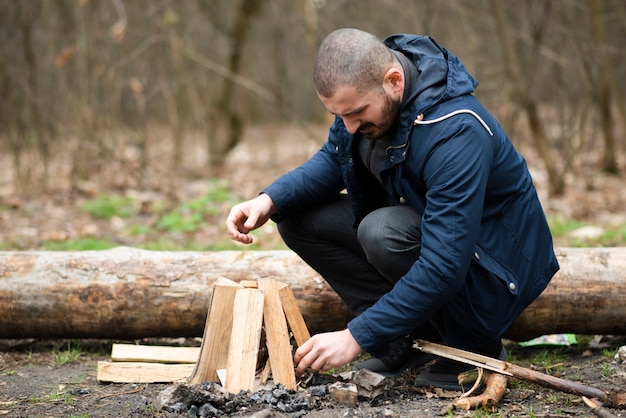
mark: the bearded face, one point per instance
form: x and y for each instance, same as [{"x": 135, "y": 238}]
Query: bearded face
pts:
[
  {"x": 373, "y": 114},
  {"x": 389, "y": 115}
]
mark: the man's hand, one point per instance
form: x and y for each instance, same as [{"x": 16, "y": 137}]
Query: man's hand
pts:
[
  {"x": 248, "y": 216},
  {"x": 325, "y": 351}
]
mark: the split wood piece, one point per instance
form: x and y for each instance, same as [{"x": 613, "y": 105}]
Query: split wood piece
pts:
[
  {"x": 136, "y": 372},
  {"x": 137, "y": 364},
  {"x": 290, "y": 307},
  {"x": 613, "y": 399},
  {"x": 217, "y": 332},
  {"x": 277, "y": 335},
  {"x": 294, "y": 316},
  {"x": 245, "y": 338},
  {"x": 154, "y": 354}
]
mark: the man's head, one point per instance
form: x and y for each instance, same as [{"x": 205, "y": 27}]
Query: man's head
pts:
[{"x": 359, "y": 79}]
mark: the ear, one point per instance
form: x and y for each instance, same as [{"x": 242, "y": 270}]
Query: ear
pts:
[{"x": 394, "y": 77}]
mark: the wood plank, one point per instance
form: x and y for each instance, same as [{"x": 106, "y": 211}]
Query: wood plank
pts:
[
  {"x": 294, "y": 316},
  {"x": 135, "y": 372},
  {"x": 217, "y": 333},
  {"x": 245, "y": 339},
  {"x": 154, "y": 354},
  {"x": 277, "y": 335}
]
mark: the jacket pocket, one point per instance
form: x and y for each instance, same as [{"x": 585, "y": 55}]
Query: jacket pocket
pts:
[{"x": 484, "y": 261}]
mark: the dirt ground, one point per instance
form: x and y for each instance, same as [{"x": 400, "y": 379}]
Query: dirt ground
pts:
[
  {"x": 57, "y": 378},
  {"x": 34, "y": 383}
]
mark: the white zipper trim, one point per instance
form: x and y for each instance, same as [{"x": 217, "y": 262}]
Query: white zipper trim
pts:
[{"x": 419, "y": 121}]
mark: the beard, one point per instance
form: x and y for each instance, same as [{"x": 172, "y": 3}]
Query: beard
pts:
[{"x": 390, "y": 112}]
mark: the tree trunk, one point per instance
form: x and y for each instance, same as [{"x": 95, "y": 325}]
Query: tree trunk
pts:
[
  {"x": 127, "y": 293},
  {"x": 245, "y": 14},
  {"x": 521, "y": 95},
  {"x": 605, "y": 85}
]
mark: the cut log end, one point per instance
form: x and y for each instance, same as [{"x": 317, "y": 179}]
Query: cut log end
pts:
[{"x": 616, "y": 400}]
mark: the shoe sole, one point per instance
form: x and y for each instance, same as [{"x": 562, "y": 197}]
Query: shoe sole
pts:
[
  {"x": 426, "y": 381},
  {"x": 414, "y": 363}
]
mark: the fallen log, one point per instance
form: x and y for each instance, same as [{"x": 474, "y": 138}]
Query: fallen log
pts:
[
  {"x": 127, "y": 293},
  {"x": 586, "y": 296}
]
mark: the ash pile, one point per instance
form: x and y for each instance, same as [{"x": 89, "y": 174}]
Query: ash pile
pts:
[{"x": 210, "y": 399}]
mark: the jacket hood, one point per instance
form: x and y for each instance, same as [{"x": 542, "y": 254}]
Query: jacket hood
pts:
[{"x": 441, "y": 75}]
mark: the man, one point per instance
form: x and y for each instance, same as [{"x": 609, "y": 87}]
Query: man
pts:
[{"x": 440, "y": 236}]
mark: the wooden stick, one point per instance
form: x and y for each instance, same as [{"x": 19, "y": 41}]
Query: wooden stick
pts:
[
  {"x": 495, "y": 386},
  {"x": 597, "y": 409},
  {"x": 519, "y": 372},
  {"x": 464, "y": 376}
]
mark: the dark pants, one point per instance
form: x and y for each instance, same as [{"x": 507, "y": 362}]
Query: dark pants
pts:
[{"x": 362, "y": 264}]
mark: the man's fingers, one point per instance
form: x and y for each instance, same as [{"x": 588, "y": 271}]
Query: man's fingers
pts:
[
  {"x": 250, "y": 223},
  {"x": 300, "y": 358},
  {"x": 310, "y": 356}
]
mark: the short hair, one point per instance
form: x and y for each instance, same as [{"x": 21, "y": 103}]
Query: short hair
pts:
[{"x": 351, "y": 57}]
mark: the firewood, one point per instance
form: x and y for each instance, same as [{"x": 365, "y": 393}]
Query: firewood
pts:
[
  {"x": 277, "y": 335},
  {"x": 293, "y": 315},
  {"x": 136, "y": 372},
  {"x": 244, "y": 343},
  {"x": 217, "y": 333},
  {"x": 154, "y": 353}
]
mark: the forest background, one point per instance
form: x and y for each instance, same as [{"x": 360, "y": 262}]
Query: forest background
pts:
[{"x": 141, "y": 122}]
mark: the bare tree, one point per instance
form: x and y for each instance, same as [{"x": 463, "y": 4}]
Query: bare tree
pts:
[
  {"x": 246, "y": 11},
  {"x": 93, "y": 77},
  {"x": 522, "y": 95},
  {"x": 31, "y": 121},
  {"x": 606, "y": 85}
]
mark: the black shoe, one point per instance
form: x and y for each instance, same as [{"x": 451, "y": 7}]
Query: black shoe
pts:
[
  {"x": 402, "y": 356},
  {"x": 443, "y": 373}
]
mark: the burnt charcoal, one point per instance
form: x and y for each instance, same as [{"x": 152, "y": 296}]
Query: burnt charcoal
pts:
[
  {"x": 280, "y": 393},
  {"x": 293, "y": 405},
  {"x": 193, "y": 412},
  {"x": 320, "y": 379},
  {"x": 177, "y": 408},
  {"x": 212, "y": 400},
  {"x": 319, "y": 390},
  {"x": 208, "y": 410}
]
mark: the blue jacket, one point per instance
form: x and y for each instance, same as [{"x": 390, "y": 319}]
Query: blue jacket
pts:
[{"x": 452, "y": 161}]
